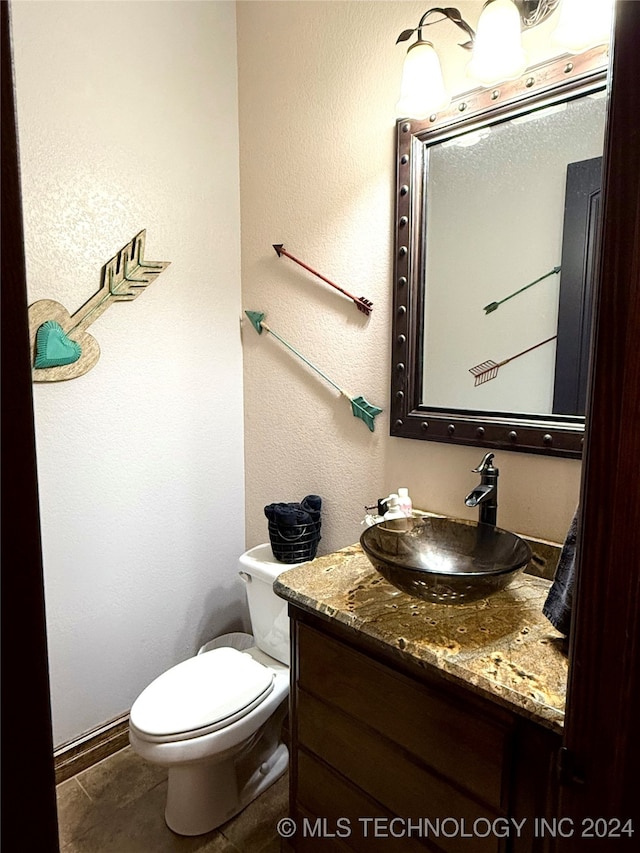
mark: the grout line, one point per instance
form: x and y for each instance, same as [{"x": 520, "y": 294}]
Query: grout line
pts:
[{"x": 84, "y": 789}]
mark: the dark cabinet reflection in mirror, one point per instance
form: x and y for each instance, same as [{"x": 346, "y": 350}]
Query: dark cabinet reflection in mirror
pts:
[
  {"x": 579, "y": 250},
  {"x": 496, "y": 235}
]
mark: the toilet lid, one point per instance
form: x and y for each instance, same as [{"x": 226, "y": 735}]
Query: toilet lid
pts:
[{"x": 201, "y": 692}]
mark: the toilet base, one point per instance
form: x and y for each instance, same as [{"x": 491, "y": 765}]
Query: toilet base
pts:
[
  {"x": 205, "y": 794},
  {"x": 201, "y": 797}
]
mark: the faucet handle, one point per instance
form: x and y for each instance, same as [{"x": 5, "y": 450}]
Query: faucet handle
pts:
[{"x": 485, "y": 465}]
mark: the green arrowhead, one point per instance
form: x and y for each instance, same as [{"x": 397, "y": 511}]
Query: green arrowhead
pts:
[{"x": 256, "y": 318}]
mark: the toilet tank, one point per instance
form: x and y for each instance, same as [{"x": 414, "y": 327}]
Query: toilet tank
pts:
[{"x": 269, "y": 620}]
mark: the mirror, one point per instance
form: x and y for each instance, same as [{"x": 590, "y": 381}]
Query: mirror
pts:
[{"x": 496, "y": 239}]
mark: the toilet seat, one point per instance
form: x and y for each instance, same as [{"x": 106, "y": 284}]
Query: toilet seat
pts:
[{"x": 201, "y": 695}]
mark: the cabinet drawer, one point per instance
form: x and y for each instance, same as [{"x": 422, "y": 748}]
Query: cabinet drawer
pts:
[
  {"x": 329, "y": 797},
  {"x": 460, "y": 743},
  {"x": 388, "y": 774}
]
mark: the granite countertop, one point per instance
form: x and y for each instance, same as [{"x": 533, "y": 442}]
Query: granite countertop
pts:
[{"x": 501, "y": 647}]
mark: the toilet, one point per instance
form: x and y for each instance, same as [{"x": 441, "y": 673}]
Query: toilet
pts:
[{"x": 215, "y": 720}]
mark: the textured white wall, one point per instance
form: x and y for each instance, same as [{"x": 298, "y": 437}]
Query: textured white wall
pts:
[
  {"x": 128, "y": 119},
  {"x": 318, "y": 82}
]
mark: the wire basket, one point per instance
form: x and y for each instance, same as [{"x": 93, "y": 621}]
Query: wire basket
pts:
[{"x": 294, "y": 543}]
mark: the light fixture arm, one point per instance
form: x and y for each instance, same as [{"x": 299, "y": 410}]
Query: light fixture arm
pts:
[
  {"x": 534, "y": 12},
  {"x": 449, "y": 13}
]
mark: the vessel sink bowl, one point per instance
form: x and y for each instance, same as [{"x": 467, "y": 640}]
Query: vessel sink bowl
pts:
[{"x": 445, "y": 560}]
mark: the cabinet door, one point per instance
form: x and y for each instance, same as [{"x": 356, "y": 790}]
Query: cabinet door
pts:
[
  {"x": 452, "y": 739},
  {"x": 394, "y": 779}
]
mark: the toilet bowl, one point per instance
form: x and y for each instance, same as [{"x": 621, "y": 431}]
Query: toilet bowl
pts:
[{"x": 215, "y": 720}]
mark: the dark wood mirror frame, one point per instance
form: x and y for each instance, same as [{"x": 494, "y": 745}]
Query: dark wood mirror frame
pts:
[{"x": 559, "y": 435}]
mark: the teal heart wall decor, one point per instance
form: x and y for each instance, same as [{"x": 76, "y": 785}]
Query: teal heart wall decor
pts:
[
  {"x": 53, "y": 347},
  {"x": 61, "y": 347}
]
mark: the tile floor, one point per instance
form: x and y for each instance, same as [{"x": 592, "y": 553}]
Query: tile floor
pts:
[{"x": 117, "y": 806}]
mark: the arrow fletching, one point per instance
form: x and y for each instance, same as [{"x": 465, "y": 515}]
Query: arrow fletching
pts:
[
  {"x": 484, "y": 372},
  {"x": 364, "y": 305},
  {"x": 123, "y": 279},
  {"x": 489, "y": 369},
  {"x": 365, "y": 411}
]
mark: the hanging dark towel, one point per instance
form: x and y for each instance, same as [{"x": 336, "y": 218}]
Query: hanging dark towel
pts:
[{"x": 557, "y": 607}]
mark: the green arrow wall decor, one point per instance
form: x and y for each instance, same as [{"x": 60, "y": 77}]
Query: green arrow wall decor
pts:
[
  {"x": 493, "y": 306},
  {"x": 360, "y": 408}
]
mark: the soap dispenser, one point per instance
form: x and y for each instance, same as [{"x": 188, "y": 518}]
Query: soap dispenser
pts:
[
  {"x": 394, "y": 517},
  {"x": 405, "y": 502}
]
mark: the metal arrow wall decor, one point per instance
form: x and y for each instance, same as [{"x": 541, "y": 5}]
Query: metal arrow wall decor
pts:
[
  {"x": 61, "y": 348},
  {"x": 493, "y": 306},
  {"x": 488, "y": 370},
  {"x": 362, "y": 304},
  {"x": 360, "y": 408}
]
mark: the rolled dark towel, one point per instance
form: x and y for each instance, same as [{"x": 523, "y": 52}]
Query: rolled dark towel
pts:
[
  {"x": 287, "y": 514},
  {"x": 313, "y": 505},
  {"x": 557, "y": 607}
]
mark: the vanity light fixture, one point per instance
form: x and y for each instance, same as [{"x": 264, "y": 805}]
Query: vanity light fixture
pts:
[
  {"x": 583, "y": 24},
  {"x": 497, "y": 50},
  {"x": 422, "y": 90},
  {"x": 497, "y": 54}
]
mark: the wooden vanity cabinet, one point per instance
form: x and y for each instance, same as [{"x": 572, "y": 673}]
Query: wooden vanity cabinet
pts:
[{"x": 376, "y": 735}]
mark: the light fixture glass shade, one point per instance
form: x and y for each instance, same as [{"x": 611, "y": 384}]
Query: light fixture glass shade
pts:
[
  {"x": 583, "y": 24},
  {"x": 497, "y": 51},
  {"x": 422, "y": 90}
]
